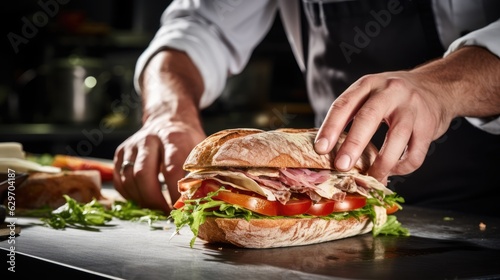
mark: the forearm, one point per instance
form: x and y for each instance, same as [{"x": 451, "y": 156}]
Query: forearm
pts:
[
  {"x": 468, "y": 82},
  {"x": 172, "y": 86}
]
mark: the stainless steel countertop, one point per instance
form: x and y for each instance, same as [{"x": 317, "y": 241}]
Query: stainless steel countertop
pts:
[{"x": 442, "y": 245}]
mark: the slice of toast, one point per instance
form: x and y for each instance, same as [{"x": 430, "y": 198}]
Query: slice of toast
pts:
[{"x": 47, "y": 189}]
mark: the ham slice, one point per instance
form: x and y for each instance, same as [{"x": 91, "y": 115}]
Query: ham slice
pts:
[{"x": 280, "y": 184}]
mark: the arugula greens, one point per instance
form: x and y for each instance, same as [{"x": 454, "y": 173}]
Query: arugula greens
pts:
[{"x": 90, "y": 216}]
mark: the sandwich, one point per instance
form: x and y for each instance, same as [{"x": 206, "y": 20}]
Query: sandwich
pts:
[
  {"x": 35, "y": 185},
  {"x": 262, "y": 189}
]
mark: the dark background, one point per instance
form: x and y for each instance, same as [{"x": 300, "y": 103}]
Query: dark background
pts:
[{"x": 49, "y": 47}]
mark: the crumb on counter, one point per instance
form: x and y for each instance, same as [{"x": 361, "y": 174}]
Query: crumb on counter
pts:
[{"x": 482, "y": 226}]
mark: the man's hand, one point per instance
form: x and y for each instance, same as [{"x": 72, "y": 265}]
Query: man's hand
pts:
[
  {"x": 171, "y": 87},
  {"x": 418, "y": 107},
  {"x": 160, "y": 146}
]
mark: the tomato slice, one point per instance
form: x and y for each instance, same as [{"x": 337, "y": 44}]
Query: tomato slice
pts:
[
  {"x": 179, "y": 203},
  {"x": 200, "y": 192},
  {"x": 350, "y": 202},
  {"x": 322, "y": 208},
  {"x": 253, "y": 203},
  {"x": 391, "y": 209},
  {"x": 327, "y": 206},
  {"x": 77, "y": 163},
  {"x": 245, "y": 199},
  {"x": 297, "y": 205}
]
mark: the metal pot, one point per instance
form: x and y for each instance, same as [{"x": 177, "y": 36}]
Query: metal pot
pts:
[{"x": 76, "y": 90}]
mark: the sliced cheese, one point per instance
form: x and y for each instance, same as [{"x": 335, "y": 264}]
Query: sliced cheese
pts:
[
  {"x": 371, "y": 182},
  {"x": 12, "y": 156},
  {"x": 12, "y": 150},
  {"x": 23, "y": 165},
  {"x": 234, "y": 179},
  {"x": 327, "y": 189}
]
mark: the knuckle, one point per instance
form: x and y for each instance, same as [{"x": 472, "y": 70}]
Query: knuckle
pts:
[
  {"x": 341, "y": 103},
  {"x": 352, "y": 141},
  {"x": 367, "y": 79},
  {"x": 415, "y": 164},
  {"x": 400, "y": 132},
  {"x": 141, "y": 173},
  {"x": 412, "y": 162},
  {"x": 395, "y": 83},
  {"x": 352, "y": 147},
  {"x": 368, "y": 113}
]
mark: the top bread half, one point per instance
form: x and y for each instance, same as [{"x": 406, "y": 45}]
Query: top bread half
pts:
[{"x": 255, "y": 148}]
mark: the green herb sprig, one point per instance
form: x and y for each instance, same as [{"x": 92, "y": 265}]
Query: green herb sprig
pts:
[{"x": 92, "y": 215}]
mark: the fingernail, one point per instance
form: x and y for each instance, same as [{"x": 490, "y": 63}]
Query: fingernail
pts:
[
  {"x": 343, "y": 162},
  {"x": 321, "y": 145}
]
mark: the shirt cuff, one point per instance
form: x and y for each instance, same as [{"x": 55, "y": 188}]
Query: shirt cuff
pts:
[
  {"x": 490, "y": 125},
  {"x": 200, "y": 46},
  {"x": 489, "y": 38}
]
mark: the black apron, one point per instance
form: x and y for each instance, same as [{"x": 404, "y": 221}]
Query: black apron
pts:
[{"x": 349, "y": 39}]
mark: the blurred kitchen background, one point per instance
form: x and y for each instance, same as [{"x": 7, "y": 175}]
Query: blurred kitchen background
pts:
[{"x": 66, "y": 69}]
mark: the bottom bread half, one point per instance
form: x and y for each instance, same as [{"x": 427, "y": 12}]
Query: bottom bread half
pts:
[{"x": 283, "y": 232}]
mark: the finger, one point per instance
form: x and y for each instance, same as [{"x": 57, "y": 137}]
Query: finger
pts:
[
  {"x": 414, "y": 155},
  {"x": 340, "y": 114},
  {"x": 173, "y": 170},
  {"x": 146, "y": 172},
  {"x": 126, "y": 173},
  {"x": 365, "y": 124},
  {"x": 392, "y": 150},
  {"x": 117, "y": 180}
]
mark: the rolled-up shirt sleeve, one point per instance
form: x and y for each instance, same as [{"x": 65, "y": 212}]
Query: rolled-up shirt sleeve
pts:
[
  {"x": 218, "y": 36},
  {"x": 489, "y": 38}
]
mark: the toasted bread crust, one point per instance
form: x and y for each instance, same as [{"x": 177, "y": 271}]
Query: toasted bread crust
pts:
[
  {"x": 270, "y": 233},
  {"x": 282, "y": 148},
  {"x": 47, "y": 189}
]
